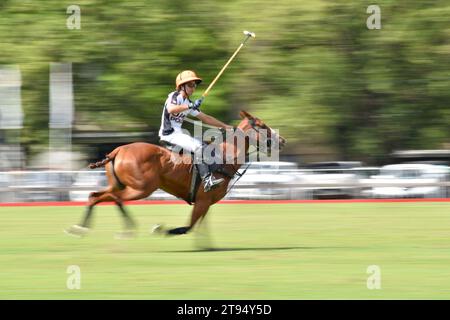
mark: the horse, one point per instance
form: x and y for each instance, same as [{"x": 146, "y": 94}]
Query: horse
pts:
[{"x": 134, "y": 171}]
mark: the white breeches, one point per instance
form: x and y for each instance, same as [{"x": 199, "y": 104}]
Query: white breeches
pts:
[{"x": 183, "y": 140}]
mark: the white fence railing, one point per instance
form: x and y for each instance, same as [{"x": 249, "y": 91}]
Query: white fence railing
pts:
[{"x": 19, "y": 186}]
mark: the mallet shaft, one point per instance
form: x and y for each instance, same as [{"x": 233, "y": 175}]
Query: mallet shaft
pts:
[
  {"x": 248, "y": 35},
  {"x": 222, "y": 70}
]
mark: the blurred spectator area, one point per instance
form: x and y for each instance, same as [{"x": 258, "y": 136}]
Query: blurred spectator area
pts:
[
  {"x": 438, "y": 157},
  {"x": 12, "y": 157},
  {"x": 99, "y": 143}
]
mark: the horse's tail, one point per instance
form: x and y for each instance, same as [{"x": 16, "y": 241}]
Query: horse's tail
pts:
[{"x": 109, "y": 157}]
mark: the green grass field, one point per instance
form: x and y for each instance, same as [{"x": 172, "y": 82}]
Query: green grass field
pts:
[{"x": 279, "y": 251}]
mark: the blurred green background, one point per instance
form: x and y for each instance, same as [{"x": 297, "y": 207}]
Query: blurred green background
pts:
[{"x": 334, "y": 88}]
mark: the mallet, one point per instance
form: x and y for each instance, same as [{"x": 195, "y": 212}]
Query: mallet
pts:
[{"x": 248, "y": 34}]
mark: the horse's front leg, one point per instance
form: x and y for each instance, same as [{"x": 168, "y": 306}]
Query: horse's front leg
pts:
[{"x": 200, "y": 209}]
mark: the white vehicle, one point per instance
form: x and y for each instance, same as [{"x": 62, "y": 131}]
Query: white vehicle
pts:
[
  {"x": 331, "y": 180},
  {"x": 407, "y": 174},
  {"x": 264, "y": 180}
]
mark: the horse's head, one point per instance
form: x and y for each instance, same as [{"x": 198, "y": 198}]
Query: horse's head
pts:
[{"x": 264, "y": 133}]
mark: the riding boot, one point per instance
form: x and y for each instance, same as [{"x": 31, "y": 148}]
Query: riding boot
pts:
[{"x": 209, "y": 182}]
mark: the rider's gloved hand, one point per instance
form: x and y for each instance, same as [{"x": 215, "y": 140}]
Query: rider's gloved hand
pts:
[
  {"x": 227, "y": 128},
  {"x": 196, "y": 105}
]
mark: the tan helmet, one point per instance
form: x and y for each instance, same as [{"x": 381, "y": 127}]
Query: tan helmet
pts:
[{"x": 185, "y": 77}]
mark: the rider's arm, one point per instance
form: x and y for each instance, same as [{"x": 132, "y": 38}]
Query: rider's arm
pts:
[
  {"x": 176, "y": 108},
  {"x": 174, "y": 105},
  {"x": 212, "y": 121}
]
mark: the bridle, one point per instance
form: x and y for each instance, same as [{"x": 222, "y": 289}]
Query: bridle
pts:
[
  {"x": 247, "y": 154},
  {"x": 257, "y": 128}
]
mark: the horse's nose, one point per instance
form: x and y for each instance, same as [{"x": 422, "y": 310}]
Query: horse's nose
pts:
[{"x": 282, "y": 142}]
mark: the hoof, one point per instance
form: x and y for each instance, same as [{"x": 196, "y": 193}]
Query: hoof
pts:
[
  {"x": 157, "y": 229},
  {"x": 178, "y": 231},
  {"x": 77, "y": 231},
  {"x": 125, "y": 235}
]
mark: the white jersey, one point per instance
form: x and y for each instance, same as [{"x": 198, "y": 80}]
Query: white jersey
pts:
[{"x": 171, "y": 123}]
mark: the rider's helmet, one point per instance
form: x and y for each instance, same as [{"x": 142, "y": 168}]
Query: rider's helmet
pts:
[{"x": 185, "y": 77}]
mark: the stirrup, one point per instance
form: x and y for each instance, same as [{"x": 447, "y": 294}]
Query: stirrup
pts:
[{"x": 210, "y": 183}]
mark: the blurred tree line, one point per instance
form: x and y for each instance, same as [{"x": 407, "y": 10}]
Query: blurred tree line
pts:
[{"x": 315, "y": 71}]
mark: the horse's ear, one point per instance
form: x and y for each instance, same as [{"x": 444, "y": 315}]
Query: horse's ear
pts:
[{"x": 245, "y": 114}]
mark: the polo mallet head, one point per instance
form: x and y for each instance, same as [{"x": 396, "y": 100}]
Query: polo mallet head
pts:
[{"x": 248, "y": 35}]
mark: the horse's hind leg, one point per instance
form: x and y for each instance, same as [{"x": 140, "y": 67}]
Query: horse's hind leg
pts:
[
  {"x": 130, "y": 225},
  {"x": 85, "y": 223},
  {"x": 118, "y": 197},
  {"x": 129, "y": 222},
  {"x": 94, "y": 198},
  {"x": 126, "y": 195}
]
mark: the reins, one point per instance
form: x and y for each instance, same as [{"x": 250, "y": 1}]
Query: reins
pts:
[
  {"x": 247, "y": 154},
  {"x": 236, "y": 173}
]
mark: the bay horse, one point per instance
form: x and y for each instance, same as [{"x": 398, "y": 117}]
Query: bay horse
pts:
[{"x": 134, "y": 171}]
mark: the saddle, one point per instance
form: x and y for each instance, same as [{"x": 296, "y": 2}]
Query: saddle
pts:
[{"x": 196, "y": 179}]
